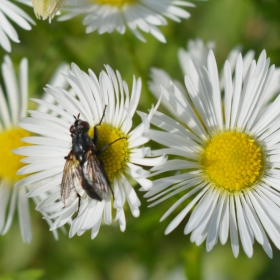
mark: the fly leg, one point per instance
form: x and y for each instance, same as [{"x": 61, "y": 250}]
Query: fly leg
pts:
[
  {"x": 75, "y": 215},
  {"x": 99, "y": 151},
  {"x": 95, "y": 136}
]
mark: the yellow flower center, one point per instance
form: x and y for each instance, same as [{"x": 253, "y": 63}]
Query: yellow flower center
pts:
[
  {"x": 115, "y": 157},
  {"x": 10, "y": 163},
  {"x": 118, "y": 3},
  {"x": 232, "y": 161}
]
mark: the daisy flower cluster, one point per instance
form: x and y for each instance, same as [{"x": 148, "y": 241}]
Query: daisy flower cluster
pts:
[
  {"x": 122, "y": 161},
  {"x": 80, "y": 157},
  {"x": 227, "y": 154},
  {"x": 44, "y": 185}
]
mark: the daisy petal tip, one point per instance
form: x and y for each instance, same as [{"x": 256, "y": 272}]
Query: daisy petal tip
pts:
[
  {"x": 136, "y": 213},
  {"x": 20, "y": 183},
  {"x": 209, "y": 247},
  {"x": 146, "y": 195},
  {"x": 147, "y": 185},
  {"x": 122, "y": 228},
  {"x": 93, "y": 235},
  {"x": 167, "y": 230},
  {"x": 250, "y": 254},
  {"x": 14, "y": 151},
  {"x": 187, "y": 230},
  {"x": 19, "y": 172},
  {"x": 37, "y": 208},
  {"x": 53, "y": 227},
  {"x": 223, "y": 242},
  {"x": 30, "y": 194},
  {"x": 162, "y": 218},
  {"x": 211, "y": 54},
  {"x": 270, "y": 254},
  {"x": 235, "y": 253},
  {"x": 263, "y": 53}
]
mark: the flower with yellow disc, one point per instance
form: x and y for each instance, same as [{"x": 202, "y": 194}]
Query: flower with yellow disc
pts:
[
  {"x": 13, "y": 106},
  {"x": 122, "y": 161},
  {"x": 226, "y": 154},
  {"x": 105, "y": 16}
]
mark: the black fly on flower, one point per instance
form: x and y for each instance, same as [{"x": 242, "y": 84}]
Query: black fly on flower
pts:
[
  {"x": 122, "y": 163},
  {"x": 83, "y": 172}
]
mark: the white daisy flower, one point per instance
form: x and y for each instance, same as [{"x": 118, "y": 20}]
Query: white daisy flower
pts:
[
  {"x": 13, "y": 106},
  {"x": 228, "y": 156},
  {"x": 121, "y": 160},
  {"x": 145, "y": 15},
  {"x": 9, "y": 10},
  {"x": 197, "y": 51}
]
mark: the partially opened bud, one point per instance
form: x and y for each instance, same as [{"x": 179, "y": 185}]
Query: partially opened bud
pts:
[{"x": 46, "y": 8}]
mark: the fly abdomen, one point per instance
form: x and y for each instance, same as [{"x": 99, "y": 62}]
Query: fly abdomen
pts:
[{"x": 90, "y": 191}]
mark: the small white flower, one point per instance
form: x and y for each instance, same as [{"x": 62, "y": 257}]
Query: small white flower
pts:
[
  {"x": 197, "y": 51},
  {"x": 13, "y": 106},
  {"x": 227, "y": 153},
  {"x": 121, "y": 161},
  {"x": 145, "y": 15},
  {"x": 9, "y": 10}
]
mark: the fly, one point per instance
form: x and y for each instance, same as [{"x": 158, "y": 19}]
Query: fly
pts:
[{"x": 83, "y": 171}]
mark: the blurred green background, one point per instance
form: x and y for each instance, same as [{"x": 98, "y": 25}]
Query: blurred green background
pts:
[{"x": 142, "y": 251}]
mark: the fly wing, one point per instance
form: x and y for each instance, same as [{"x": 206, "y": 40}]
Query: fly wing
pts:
[
  {"x": 96, "y": 177},
  {"x": 71, "y": 180}
]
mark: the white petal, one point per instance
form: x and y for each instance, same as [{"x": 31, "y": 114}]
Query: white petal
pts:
[
  {"x": 177, "y": 220},
  {"x": 233, "y": 227},
  {"x": 214, "y": 228},
  {"x": 24, "y": 216},
  {"x": 243, "y": 230}
]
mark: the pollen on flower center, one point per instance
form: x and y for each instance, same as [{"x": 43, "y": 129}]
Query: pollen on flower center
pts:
[
  {"x": 233, "y": 161},
  {"x": 115, "y": 2},
  {"x": 10, "y": 163},
  {"x": 115, "y": 157}
]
